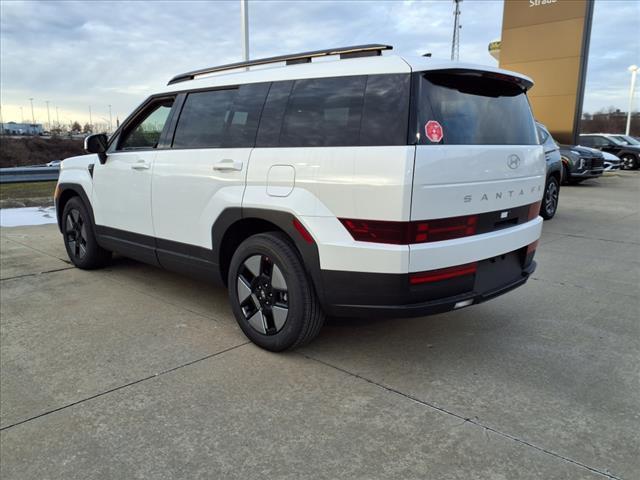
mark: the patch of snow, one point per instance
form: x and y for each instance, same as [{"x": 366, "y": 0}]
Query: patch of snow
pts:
[{"x": 17, "y": 217}]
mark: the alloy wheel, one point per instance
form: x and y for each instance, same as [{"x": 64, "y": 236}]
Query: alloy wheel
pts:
[
  {"x": 628, "y": 162},
  {"x": 263, "y": 294},
  {"x": 76, "y": 233}
]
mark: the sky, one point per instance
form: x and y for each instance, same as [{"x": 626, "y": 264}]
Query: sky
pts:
[{"x": 78, "y": 55}]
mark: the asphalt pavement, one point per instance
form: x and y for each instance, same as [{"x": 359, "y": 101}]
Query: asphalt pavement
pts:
[{"x": 134, "y": 372}]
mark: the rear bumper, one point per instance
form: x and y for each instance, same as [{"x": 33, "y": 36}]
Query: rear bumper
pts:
[{"x": 358, "y": 294}]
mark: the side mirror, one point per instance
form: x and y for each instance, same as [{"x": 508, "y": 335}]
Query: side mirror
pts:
[{"x": 97, "y": 143}]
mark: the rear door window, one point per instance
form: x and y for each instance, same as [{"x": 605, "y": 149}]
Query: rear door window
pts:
[
  {"x": 221, "y": 118},
  {"x": 324, "y": 112},
  {"x": 473, "y": 110}
]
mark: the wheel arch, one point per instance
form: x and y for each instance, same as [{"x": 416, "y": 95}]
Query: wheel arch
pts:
[
  {"x": 66, "y": 192},
  {"x": 234, "y": 225}
]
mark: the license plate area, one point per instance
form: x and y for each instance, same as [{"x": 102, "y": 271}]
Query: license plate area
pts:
[{"x": 498, "y": 272}]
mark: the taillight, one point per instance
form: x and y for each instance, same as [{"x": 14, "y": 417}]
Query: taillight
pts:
[
  {"x": 377, "y": 231},
  {"x": 443, "y": 229},
  {"x": 404, "y": 233},
  {"x": 534, "y": 211},
  {"x": 443, "y": 273}
]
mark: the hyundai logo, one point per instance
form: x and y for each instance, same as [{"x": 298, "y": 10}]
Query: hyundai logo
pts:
[{"x": 513, "y": 161}]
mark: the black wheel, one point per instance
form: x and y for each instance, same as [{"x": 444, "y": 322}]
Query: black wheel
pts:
[
  {"x": 550, "y": 199},
  {"x": 629, "y": 162},
  {"x": 271, "y": 295},
  {"x": 79, "y": 238}
]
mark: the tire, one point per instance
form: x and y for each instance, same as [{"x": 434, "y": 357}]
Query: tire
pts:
[
  {"x": 79, "y": 238},
  {"x": 566, "y": 175},
  {"x": 271, "y": 296},
  {"x": 629, "y": 162},
  {"x": 549, "y": 204}
]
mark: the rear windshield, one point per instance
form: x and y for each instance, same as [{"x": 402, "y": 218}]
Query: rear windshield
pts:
[{"x": 465, "y": 109}]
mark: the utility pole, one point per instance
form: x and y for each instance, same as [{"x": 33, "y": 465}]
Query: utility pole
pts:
[
  {"x": 634, "y": 71},
  {"x": 455, "y": 42},
  {"x": 244, "y": 27},
  {"x": 21, "y": 115},
  {"x": 48, "y": 116},
  {"x": 33, "y": 117},
  {"x": 90, "y": 119},
  {"x": 57, "y": 117},
  {"x": 110, "y": 123}
]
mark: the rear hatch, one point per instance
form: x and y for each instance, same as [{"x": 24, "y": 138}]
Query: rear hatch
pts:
[{"x": 477, "y": 147}]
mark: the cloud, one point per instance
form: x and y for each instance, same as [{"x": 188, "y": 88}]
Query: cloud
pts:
[{"x": 102, "y": 53}]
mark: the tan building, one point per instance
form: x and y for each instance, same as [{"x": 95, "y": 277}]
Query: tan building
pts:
[{"x": 548, "y": 40}]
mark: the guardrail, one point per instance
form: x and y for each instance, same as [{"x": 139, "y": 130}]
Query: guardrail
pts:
[{"x": 29, "y": 174}]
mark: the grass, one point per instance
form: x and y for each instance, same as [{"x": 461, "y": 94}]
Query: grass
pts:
[{"x": 19, "y": 191}]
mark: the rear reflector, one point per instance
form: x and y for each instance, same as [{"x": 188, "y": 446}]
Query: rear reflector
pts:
[
  {"x": 443, "y": 273},
  {"x": 532, "y": 247},
  {"x": 304, "y": 233},
  {"x": 404, "y": 233}
]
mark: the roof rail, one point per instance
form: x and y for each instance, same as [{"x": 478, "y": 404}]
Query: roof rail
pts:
[{"x": 305, "y": 57}]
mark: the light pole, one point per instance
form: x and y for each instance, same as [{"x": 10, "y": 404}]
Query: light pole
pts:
[
  {"x": 455, "y": 42},
  {"x": 21, "y": 115},
  {"x": 33, "y": 117},
  {"x": 48, "y": 116},
  {"x": 90, "y": 119},
  {"x": 634, "y": 71},
  {"x": 110, "y": 123},
  {"x": 244, "y": 27},
  {"x": 57, "y": 117}
]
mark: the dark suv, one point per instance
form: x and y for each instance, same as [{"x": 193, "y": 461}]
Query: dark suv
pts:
[
  {"x": 628, "y": 152},
  {"x": 580, "y": 163},
  {"x": 549, "y": 203}
]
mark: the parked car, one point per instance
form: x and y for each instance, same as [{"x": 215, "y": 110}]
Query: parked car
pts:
[
  {"x": 629, "y": 154},
  {"x": 367, "y": 185},
  {"x": 611, "y": 162},
  {"x": 551, "y": 196},
  {"x": 580, "y": 163}
]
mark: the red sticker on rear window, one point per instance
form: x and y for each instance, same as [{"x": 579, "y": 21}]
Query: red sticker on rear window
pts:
[{"x": 433, "y": 131}]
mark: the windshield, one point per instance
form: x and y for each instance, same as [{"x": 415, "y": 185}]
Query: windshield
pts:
[
  {"x": 468, "y": 109},
  {"x": 617, "y": 140},
  {"x": 627, "y": 140}
]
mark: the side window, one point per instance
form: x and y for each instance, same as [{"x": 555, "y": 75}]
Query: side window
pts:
[
  {"x": 221, "y": 118},
  {"x": 203, "y": 119},
  {"x": 324, "y": 112},
  {"x": 386, "y": 110},
  {"x": 145, "y": 132},
  {"x": 598, "y": 141},
  {"x": 245, "y": 115},
  {"x": 587, "y": 141},
  {"x": 273, "y": 113}
]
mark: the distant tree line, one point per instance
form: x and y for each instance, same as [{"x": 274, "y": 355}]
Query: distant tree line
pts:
[
  {"x": 609, "y": 120},
  {"x": 34, "y": 150}
]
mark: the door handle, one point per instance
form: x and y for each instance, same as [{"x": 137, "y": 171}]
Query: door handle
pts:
[
  {"x": 227, "y": 165},
  {"x": 141, "y": 165}
]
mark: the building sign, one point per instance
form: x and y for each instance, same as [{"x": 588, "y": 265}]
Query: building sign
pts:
[{"x": 548, "y": 40}]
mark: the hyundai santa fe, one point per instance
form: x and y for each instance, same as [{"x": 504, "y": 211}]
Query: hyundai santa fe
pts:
[{"x": 364, "y": 185}]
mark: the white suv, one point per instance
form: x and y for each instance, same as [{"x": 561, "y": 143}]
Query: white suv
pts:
[{"x": 364, "y": 186}]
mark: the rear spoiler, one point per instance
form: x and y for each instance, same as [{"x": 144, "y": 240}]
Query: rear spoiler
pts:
[{"x": 523, "y": 82}]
